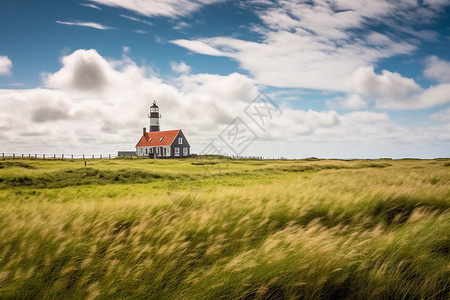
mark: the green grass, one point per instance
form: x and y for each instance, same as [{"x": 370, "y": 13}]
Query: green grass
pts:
[{"x": 212, "y": 228}]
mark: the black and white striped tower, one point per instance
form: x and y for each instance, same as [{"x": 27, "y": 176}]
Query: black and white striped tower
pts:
[{"x": 154, "y": 117}]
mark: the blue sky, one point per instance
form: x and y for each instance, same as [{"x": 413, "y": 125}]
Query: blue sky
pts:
[{"x": 346, "y": 79}]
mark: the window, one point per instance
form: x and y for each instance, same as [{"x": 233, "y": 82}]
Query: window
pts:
[
  {"x": 185, "y": 152},
  {"x": 150, "y": 140},
  {"x": 165, "y": 151},
  {"x": 161, "y": 139},
  {"x": 180, "y": 140},
  {"x": 146, "y": 149},
  {"x": 177, "y": 151}
]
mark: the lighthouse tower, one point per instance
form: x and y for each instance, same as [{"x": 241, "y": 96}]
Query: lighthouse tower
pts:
[{"x": 154, "y": 117}]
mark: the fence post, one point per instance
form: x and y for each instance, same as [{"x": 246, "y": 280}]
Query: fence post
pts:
[
  {"x": 14, "y": 155},
  {"x": 43, "y": 156},
  {"x": 3, "y": 155},
  {"x": 62, "y": 156},
  {"x": 35, "y": 156},
  {"x": 54, "y": 156},
  {"x": 72, "y": 156},
  {"x": 92, "y": 156},
  {"x": 109, "y": 155},
  {"x": 100, "y": 156},
  {"x": 22, "y": 155},
  {"x": 83, "y": 156}
]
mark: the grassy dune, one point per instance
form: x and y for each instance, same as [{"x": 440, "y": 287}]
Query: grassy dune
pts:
[{"x": 225, "y": 229}]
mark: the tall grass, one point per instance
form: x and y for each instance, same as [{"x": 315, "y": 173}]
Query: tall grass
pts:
[{"x": 242, "y": 230}]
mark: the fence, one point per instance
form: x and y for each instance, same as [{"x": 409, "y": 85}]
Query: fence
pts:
[
  {"x": 5, "y": 155},
  {"x": 56, "y": 156}
]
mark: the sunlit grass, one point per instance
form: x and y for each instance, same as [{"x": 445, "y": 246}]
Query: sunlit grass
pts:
[{"x": 211, "y": 228}]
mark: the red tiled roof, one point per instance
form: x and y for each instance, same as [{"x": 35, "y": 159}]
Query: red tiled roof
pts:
[{"x": 153, "y": 139}]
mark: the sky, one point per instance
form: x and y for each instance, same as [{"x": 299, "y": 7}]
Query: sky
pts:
[{"x": 295, "y": 79}]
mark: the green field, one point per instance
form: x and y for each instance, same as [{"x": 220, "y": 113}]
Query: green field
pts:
[{"x": 212, "y": 228}]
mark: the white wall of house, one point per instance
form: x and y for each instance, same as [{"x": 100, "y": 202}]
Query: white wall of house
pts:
[{"x": 146, "y": 151}]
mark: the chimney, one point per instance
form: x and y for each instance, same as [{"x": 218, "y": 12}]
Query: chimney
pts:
[{"x": 144, "y": 131}]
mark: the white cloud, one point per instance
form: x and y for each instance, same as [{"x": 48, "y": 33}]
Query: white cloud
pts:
[
  {"x": 180, "y": 67},
  {"x": 437, "y": 69},
  {"x": 107, "y": 113},
  {"x": 199, "y": 47},
  {"x": 83, "y": 70},
  {"x": 296, "y": 125},
  {"x": 91, "y": 5},
  {"x": 5, "y": 65},
  {"x": 362, "y": 134},
  {"x": 181, "y": 25},
  {"x": 393, "y": 91},
  {"x": 309, "y": 45},
  {"x": 437, "y": 3},
  {"x": 223, "y": 89},
  {"x": 386, "y": 85},
  {"x": 290, "y": 60},
  {"x": 320, "y": 18},
  {"x": 103, "y": 104},
  {"x": 441, "y": 116},
  {"x": 86, "y": 24},
  {"x": 320, "y": 44},
  {"x": 154, "y": 8},
  {"x": 140, "y": 31},
  {"x": 433, "y": 96},
  {"x": 352, "y": 101},
  {"x": 367, "y": 116},
  {"x": 137, "y": 20}
]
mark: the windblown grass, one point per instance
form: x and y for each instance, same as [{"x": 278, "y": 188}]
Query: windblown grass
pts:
[
  {"x": 82, "y": 176},
  {"x": 309, "y": 229}
]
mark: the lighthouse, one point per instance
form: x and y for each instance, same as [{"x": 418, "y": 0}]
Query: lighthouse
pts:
[
  {"x": 154, "y": 117},
  {"x": 161, "y": 144}
]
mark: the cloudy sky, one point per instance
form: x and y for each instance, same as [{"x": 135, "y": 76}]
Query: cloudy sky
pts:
[{"x": 323, "y": 78}]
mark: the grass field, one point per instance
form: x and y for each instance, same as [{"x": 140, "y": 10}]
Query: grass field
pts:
[{"x": 213, "y": 228}]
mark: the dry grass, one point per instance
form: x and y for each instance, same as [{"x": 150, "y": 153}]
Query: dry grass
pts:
[{"x": 228, "y": 230}]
